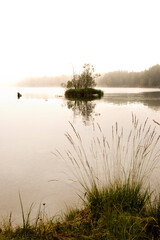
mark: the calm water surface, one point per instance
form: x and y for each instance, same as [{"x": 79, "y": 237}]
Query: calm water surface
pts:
[{"x": 34, "y": 126}]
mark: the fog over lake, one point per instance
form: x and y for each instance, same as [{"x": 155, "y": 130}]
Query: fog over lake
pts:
[{"x": 34, "y": 126}]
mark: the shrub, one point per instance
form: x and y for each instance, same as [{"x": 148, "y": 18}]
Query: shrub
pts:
[{"x": 88, "y": 94}]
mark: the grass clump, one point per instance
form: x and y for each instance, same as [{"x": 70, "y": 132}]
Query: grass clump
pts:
[
  {"x": 115, "y": 177},
  {"x": 117, "y": 199},
  {"x": 83, "y": 94}
]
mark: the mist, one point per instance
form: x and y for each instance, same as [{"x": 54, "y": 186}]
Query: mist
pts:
[{"x": 45, "y": 81}]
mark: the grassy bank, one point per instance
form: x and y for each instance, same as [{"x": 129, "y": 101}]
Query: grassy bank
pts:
[
  {"x": 85, "y": 93},
  {"x": 122, "y": 213},
  {"x": 118, "y": 202}
]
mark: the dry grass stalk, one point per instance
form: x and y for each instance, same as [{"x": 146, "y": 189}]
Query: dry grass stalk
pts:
[{"x": 119, "y": 161}]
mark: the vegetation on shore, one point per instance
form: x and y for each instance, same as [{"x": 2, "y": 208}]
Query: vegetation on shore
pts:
[
  {"x": 120, "y": 78},
  {"x": 148, "y": 78},
  {"x": 117, "y": 200}
]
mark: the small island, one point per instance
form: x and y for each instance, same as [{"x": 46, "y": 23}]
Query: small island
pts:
[
  {"x": 83, "y": 93},
  {"x": 81, "y": 87}
]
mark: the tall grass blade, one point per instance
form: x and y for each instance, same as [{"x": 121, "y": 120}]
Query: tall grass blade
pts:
[
  {"x": 26, "y": 221},
  {"x": 22, "y": 210},
  {"x": 38, "y": 216}
]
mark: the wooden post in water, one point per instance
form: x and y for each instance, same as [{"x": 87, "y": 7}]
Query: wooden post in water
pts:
[{"x": 19, "y": 95}]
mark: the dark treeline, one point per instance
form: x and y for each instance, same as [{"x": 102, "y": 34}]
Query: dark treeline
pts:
[{"x": 147, "y": 78}]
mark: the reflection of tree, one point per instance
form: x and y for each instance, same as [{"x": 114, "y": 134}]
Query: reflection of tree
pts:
[{"x": 82, "y": 108}]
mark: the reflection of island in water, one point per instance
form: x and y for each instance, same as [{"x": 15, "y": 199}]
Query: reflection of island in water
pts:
[
  {"x": 82, "y": 108},
  {"x": 150, "y": 99}
]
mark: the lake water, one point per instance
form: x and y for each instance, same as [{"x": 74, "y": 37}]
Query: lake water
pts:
[{"x": 34, "y": 126}]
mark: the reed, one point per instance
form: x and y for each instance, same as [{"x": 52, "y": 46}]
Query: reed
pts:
[{"x": 123, "y": 160}]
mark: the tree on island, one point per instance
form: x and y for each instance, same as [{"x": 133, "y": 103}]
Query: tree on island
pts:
[
  {"x": 82, "y": 86},
  {"x": 84, "y": 80}
]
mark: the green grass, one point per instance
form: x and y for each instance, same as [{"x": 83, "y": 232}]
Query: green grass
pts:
[
  {"x": 83, "y": 94},
  {"x": 117, "y": 199}
]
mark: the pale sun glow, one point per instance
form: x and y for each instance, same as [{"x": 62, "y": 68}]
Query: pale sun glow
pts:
[{"x": 50, "y": 37}]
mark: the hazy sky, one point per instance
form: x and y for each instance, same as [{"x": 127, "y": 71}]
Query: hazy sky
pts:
[{"x": 48, "y": 37}]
